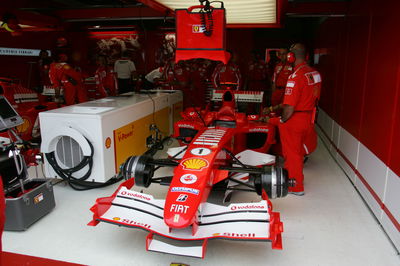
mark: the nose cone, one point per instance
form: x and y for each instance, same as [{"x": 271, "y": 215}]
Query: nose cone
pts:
[{"x": 179, "y": 215}]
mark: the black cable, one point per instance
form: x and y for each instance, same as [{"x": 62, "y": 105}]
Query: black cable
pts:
[{"x": 80, "y": 183}]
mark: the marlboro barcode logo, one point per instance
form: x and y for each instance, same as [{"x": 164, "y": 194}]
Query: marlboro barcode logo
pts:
[{"x": 210, "y": 137}]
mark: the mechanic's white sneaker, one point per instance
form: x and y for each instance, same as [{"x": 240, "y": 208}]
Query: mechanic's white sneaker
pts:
[{"x": 299, "y": 193}]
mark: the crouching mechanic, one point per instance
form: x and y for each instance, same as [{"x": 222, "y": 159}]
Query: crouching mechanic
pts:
[{"x": 299, "y": 108}]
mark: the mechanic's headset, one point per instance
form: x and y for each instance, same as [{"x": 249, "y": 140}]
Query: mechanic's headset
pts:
[{"x": 291, "y": 57}]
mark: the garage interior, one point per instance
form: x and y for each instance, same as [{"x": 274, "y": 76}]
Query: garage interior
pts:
[{"x": 350, "y": 213}]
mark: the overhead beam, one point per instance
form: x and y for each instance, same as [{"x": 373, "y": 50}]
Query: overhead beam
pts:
[
  {"x": 157, "y": 6},
  {"x": 98, "y": 13}
]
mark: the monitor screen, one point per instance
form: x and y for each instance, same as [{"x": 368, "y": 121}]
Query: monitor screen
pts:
[{"x": 6, "y": 111}]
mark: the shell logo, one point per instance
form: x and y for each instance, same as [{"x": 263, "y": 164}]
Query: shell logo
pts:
[
  {"x": 25, "y": 126},
  {"x": 216, "y": 234},
  {"x": 116, "y": 218},
  {"x": 194, "y": 164}
]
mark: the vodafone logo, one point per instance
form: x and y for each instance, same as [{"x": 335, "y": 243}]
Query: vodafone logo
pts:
[
  {"x": 247, "y": 207},
  {"x": 188, "y": 179}
]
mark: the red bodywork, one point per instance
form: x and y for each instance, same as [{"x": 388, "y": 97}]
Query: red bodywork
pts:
[{"x": 205, "y": 167}]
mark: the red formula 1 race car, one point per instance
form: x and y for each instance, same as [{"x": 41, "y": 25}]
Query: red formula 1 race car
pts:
[
  {"x": 28, "y": 104},
  {"x": 214, "y": 154}
]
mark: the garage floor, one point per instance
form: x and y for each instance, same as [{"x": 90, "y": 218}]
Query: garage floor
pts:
[{"x": 330, "y": 225}]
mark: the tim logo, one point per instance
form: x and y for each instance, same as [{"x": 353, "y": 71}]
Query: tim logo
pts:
[
  {"x": 198, "y": 29},
  {"x": 182, "y": 198}
]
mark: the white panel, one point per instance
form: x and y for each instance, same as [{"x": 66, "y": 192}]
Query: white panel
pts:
[
  {"x": 372, "y": 203},
  {"x": 349, "y": 145},
  {"x": 347, "y": 169},
  {"x": 373, "y": 170},
  {"x": 323, "y": 137},
  {"x": 392, "y": 195},
  {"x": 391, "y": 230},
  {"x": 335, "y": 137}
]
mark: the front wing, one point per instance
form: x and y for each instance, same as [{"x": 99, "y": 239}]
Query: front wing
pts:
[{"x": 238, "y": 221}]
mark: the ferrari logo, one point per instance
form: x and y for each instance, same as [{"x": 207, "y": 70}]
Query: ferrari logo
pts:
[
  {"x": 198, "y": 28},
  {"x": 194, "y": 164}
]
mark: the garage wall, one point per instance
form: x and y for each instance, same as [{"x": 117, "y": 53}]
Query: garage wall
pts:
[{"x": 360, "y": 117}]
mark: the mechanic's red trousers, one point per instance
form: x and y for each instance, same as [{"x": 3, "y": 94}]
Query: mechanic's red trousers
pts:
[
  {"x": 277, "y": 96},
  {"x": 73, "y": 93},
  {"x": 293, "y": 134},
  {"x": 310, "y": 141}
]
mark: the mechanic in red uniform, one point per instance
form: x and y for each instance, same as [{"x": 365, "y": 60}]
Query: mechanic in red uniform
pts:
[
  {"x": 62, "y": 75},
  {"x": 229, "y": 72},
  {"x": 281, "y": 74},
  {"x": 299, "y": 107},
  {"x": 105, "y": 78},
  {"x": 177, "y": 75}
]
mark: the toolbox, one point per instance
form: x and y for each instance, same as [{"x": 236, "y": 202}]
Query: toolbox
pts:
[{"x": 27, "y": 200}]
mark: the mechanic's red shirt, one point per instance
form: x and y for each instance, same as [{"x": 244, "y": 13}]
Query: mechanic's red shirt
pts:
[
  {"x": 61, "y": 72},
  {"x": 177, "y": 73},
  {"x": 281, "y": 74},
  {"x": 227, "y": 73},
  {"x": 303, "y": 88}
]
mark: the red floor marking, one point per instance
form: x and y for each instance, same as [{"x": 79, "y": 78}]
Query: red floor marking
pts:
[{"x": 13, "y": 259}]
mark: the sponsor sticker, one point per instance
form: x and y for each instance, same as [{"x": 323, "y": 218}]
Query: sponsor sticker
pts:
[
  {"x": 135, "y": 195},
  {"x": 186, "y": 126},
  {"x": 200, "y": 151},
  {"x": 210, "y": 137},
  {"x": 248, "y": 235},
  {"x": 258, "y": 129},
  {"x": 188, "y": 179},
  {"x": 185, "y": 189},
  {"x": 38, "y": 198},
  {"x": 196, "y": 164},
  {"x": 178, "y": 208},
  {"x": 247, "y": 207},
  {"x": 182, "y": 197},
  {"x": 290, "y": 84}
]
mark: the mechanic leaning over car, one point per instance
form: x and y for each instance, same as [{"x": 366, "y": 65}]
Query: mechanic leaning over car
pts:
[
  {"x": 302, "y": 92},
  {"x": 62, "y": 75}
]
